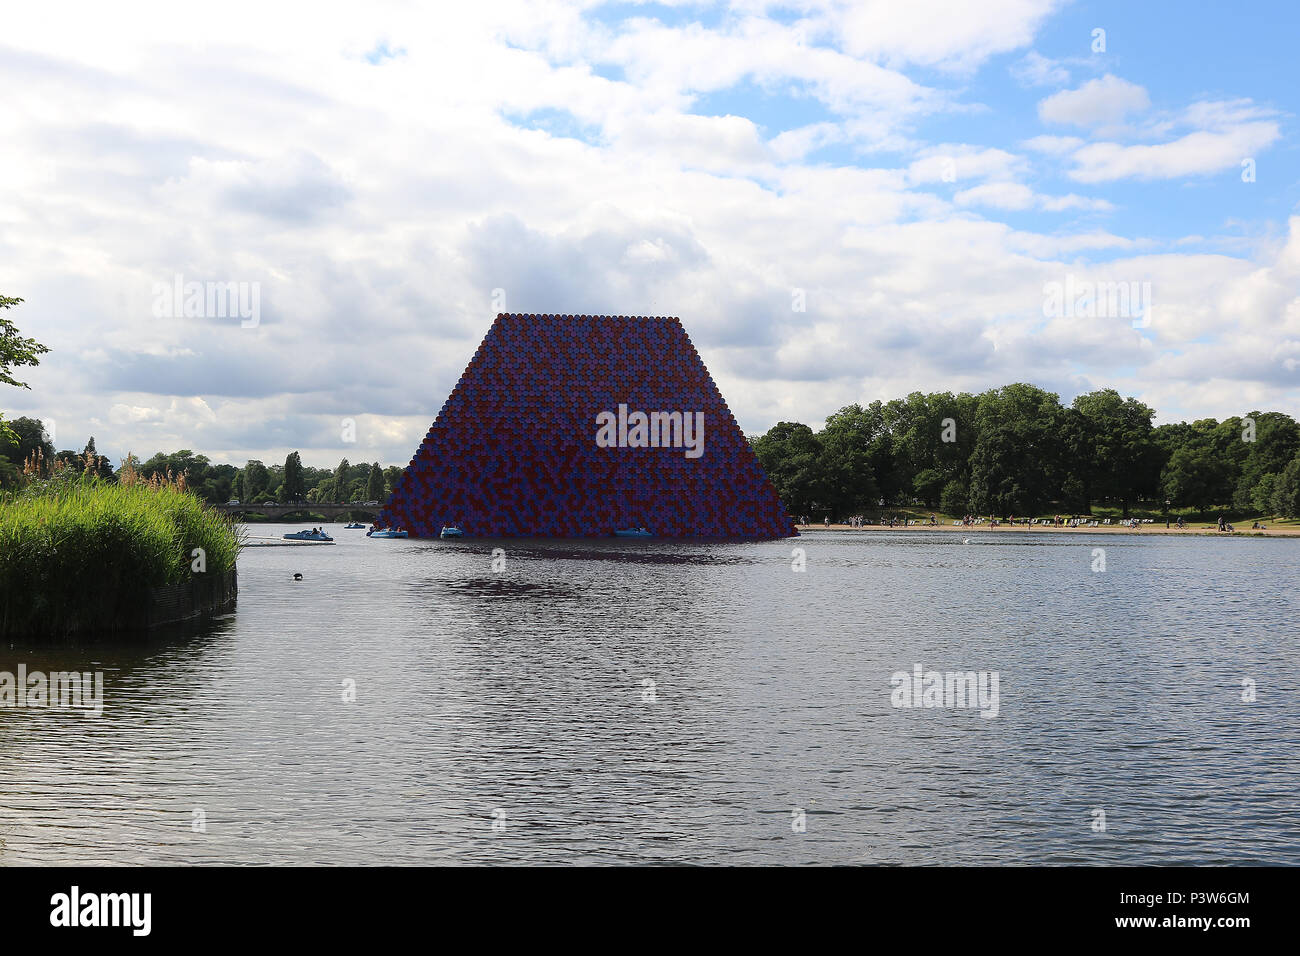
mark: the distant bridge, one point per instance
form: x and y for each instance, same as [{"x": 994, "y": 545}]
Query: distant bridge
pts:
[{"x": 324, "y": 509}]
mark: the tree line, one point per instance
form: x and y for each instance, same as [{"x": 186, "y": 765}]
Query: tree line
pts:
[
  {"x": 1016, "y": 450},
  {"x": 27, "y": 448}
]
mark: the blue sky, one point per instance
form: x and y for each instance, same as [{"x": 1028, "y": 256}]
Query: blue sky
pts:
[{"x": 918, "y": 174}]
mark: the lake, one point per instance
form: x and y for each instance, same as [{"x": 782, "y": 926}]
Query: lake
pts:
[{"x": 659, "y": 702}]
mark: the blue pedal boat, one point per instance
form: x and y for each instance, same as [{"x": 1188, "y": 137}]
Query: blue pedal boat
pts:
[{"x": 308, "y": 536}]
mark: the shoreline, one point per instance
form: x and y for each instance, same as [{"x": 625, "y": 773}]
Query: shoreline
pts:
[{"x": 1271, "y": 532}]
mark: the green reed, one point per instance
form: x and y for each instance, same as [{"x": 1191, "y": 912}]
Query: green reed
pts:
[{"x": 80, "y": 554}]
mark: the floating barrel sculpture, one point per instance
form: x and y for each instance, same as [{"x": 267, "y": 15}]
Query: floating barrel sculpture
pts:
[{"x": 514, "y": 450}]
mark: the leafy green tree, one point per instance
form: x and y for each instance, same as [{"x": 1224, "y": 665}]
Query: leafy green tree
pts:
[
  {"x": 393, "y": 477},
  {"x": 1286, "y": 491},
  {"x": 1196, "y": 476},
  {"x": 1115, "y": 452},
  {"x": 1261, "y": 496},
  {"x": 218, "y": 484},
  {"x": 254, "y": 480},
  {"x": 27, "y": 436},
  {"x": 852, "y": 443},
  {"x": 10, "y": 476},
  {"x": 954, "y": 499},
  {"x": 194, "y": 467},
  {"x": 790, "y": 453},
  {"x": 15, "y": 352},
  {"x": 323, "y": 492},
  {"x": 341, "y": 480},
  {"x": 100, "y": 466},
  {"x": 292, "y": 487},
  {"x": 928, "y": 485},
  {"x": 375, "y": 484},
  {"x": 932, "y": 437},
  {"x": 1016, "y": 464},
  {"x": 1276, "y": 441}
]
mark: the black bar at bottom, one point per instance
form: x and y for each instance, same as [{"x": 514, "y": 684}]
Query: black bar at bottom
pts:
[{"x": 258, "y": 905}]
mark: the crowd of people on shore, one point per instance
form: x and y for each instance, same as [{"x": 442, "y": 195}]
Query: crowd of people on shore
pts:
[
  {"x": 971, "y": 521},
  {"x": 882, "y": 521}
]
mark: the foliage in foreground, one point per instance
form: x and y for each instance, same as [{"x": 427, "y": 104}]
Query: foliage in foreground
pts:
[{"x": 78, "y": 553}]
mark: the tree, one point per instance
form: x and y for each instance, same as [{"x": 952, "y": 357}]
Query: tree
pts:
[
  {"x": 1276, "y": 441},
  {"x": 218, "y": 484},
  {"x": 791, "y": 455},
  {"x": 1196, "y": 477},
  {"x": 1114, "y": 454},
  {"x": 253, "y": 480},
  {"x": 103, "y": 468},
  {"x": 27, "y": 437},
  {"x": 1286, "y": 491},
  {"x": 928, "y": 485},
  {"x": 1261, "y": 496},
  {"x": 375, "y": 484},
  {"x": 847, "y": 482},
  {"x": 954, "y": 499},
  {"x": 932, "y": 437},
  {"x": 341, "y": 481},
  {"x": 292, "y": 488},
  {"x": 323, "y": 492},
  {"x": 194, "y": 467},
  {"x": 1016, "y": 465},
  {"x": 15, "y": 352}
]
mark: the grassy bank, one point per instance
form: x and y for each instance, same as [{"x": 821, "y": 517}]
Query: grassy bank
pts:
[{"x": 79, "y": 555}]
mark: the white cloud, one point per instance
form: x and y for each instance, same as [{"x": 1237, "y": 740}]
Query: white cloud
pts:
[
  {"x": 1053, "y": 145},
  {"x": 1037, "y": 70},
  {"x": 960, "y": 162},
  {"x": 999, "y": 195},
  {"x": 937, "y": 33},
  {"x": 1105, "y": 100},
  {"x": 1018, "y": 197},
  {"x": 795, "y": 144},
  {"x": 380, "y": 207},
  {"x": 1196, "y": 154}
]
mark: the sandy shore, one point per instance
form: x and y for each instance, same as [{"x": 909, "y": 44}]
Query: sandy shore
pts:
[{"x": 1270, "y": 532}]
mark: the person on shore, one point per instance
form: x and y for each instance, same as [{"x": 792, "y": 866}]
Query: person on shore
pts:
[{"x": 1222, "y": 524}]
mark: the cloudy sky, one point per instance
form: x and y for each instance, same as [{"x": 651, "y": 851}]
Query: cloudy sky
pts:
[{"x": 917, "y": 175}]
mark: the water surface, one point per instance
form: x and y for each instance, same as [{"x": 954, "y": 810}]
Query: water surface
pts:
[{"x": 643, "y": 702}]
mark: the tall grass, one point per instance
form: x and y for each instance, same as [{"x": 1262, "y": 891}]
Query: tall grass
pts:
[{"x": 80, "y": 554}]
